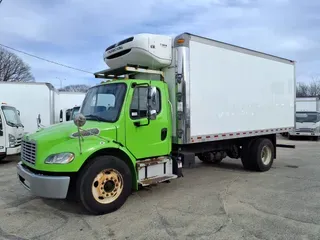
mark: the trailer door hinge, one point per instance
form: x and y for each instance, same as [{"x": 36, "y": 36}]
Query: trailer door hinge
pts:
[
  {"x": 179, "y": 78},
  {"x": 180, "y": 114}
]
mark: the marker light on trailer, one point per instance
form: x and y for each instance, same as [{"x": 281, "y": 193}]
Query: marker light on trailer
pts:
[{"x": 180, "y": 40}]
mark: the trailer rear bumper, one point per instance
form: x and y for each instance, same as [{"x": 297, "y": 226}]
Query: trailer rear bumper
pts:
[{"x": 43, "y": 186}]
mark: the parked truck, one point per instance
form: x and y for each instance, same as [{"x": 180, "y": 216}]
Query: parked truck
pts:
[
  {"x": 11, "y": 131},
  {"x": 65, "y": 103},
  {"x": 307, "y": 118},
  {"x": 39, "y": 103},
  {"x": 164, "y": 101}
]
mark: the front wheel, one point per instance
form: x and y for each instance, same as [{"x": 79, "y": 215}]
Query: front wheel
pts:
[{"x": 104, "y": 184}]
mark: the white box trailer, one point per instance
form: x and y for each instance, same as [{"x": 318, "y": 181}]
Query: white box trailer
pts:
[
  {"x": 307, "y": 118},
  {"x": 31, "y": 99},
  {"x": 38, "y": 101},
  {"x": 307, "y": 104},
  {"x": 65, "y": 102}
]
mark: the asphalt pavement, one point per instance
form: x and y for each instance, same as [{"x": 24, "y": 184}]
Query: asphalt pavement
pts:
[{"x": 209, "y": 202}]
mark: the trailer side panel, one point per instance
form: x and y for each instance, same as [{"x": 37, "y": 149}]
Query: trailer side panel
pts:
[{"x": 233, "y": 91}]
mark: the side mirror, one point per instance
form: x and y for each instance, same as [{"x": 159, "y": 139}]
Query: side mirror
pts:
[
  {"x": 1, "y": 133},
  {"x": 152, "y": 102},
  {"x": 18, "y": 112}
]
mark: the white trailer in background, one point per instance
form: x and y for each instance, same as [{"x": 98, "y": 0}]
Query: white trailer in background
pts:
[
  {"x": 11, "y": 131},
  {"x": 40, "y": 104},
  {"x": 307, "y": 118},
  {"x": 65, "y": 102}
]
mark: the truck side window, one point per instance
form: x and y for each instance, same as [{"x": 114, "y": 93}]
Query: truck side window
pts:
[
  {"x": 0, "y": 124},
  {"x": 138, "y": 107}
]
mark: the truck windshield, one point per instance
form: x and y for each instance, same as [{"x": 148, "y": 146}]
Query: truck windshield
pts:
[
  {"x": 104, "y": 102},
  {"x": 307, "y": 117},
  {"x": 11, "y": 116}
]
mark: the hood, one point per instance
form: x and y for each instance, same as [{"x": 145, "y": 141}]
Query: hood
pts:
[
  {"x": 57, "y": 133},
  {"x": 17, "y": 132}
]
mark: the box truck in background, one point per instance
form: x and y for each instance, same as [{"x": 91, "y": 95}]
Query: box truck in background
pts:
[
  {"x": 11, "y": 131},
  {"x": 40, "y": 104},
  {"x": 65, "y": 102},
  {"x": 168, "y": 101},
  {"x": 307, "y": 118}
]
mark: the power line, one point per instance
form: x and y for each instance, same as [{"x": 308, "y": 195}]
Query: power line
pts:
[{"x": 31, "y": 55}]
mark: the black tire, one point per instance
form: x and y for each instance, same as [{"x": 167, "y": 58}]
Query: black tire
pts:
[
  {"x": 2, "y": 157},
  {"x": 245, "y": 155},
  {"x": 256, "y": 155},
  {"x": 86, "y": 179}
]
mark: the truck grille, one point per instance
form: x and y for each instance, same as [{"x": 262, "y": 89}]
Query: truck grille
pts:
[
  {"x": 28, "y": 151},
  {"x": 305, "y": 130},
  {"x": 18, "y": 142}
]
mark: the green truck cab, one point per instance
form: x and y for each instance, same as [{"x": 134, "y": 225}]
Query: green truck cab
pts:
[{"x": 97, "y": 161}]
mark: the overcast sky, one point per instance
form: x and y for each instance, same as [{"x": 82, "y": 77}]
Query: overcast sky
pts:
[{"x": 76, "y": 32}]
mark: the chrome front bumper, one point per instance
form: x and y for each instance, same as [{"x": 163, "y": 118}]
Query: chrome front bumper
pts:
[
  {"x": 311, "y": 134},
  {"x": 42, "y": 185}
]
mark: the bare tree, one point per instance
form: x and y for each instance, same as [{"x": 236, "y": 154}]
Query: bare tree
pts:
[
  {"x": 302, "y": 90},
  {"x": 13, "y": 69},
  {"x": 311, "y": 89},
  {"x": 75, "y": 88}
]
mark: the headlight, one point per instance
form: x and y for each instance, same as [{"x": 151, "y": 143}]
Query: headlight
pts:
[
  {"x": 12, "y": 138},
  {"x": 60, "y": 158}
]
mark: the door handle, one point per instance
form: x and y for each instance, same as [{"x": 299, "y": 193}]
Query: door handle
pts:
[{"x": 164, "y": 132}]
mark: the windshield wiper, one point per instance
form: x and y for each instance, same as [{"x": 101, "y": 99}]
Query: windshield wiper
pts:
[
  {"x": 13, "y": 124},
  {"x": 94, "y": 117}
]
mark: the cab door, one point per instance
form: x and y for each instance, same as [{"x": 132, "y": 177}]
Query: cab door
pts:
[{"x": 147, "y": 138}]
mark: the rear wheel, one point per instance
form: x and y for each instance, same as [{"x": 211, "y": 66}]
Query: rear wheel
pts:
[
  {"x": 262, "y": 154},
  {"x": 104, "y": 185},
  {"x": 258, "y": 155}
]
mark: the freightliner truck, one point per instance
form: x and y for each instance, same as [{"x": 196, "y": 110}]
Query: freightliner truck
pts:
[{"x": 163, "y": 102}]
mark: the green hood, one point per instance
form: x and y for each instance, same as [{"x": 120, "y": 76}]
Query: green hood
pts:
[
  {"x": 57, "y": 133},
  {"x": 58, "y": 138}
]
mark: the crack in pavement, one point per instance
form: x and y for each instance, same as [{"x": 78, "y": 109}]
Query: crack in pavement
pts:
[
  {"x": 10, "y": 236},
  {"x": 276, "y": 215}
]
